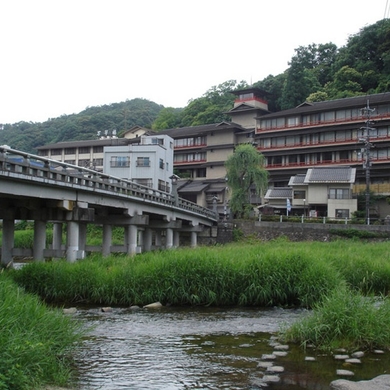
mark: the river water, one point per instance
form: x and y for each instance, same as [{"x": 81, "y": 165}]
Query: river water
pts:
[{"x": 202, "y": 348}]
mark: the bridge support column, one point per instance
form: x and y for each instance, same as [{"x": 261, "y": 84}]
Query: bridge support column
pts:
[
  {"x": 194, "y": 239},
  {"x": 107, "y": 240},
  {"x": 169, "y": 238},
  {"x": 72, "y": 241},
  {"x": 157, "y": 239},
  {"x": 7, "y": 242},
  {"x": 131, "y": 239},
  {"x": 176, "y": 238},
  {"x": 148, "y": 239},
  {"x": 39, "y": 240},
  {"x": 82, "y": 236},
  {"x": 57, "y": 237}
]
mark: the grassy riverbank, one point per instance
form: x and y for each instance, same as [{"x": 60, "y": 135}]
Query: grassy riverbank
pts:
[{"x": 35, "y": 341}]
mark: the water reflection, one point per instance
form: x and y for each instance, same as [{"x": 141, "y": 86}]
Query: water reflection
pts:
[{"x": 205, "y": 348}]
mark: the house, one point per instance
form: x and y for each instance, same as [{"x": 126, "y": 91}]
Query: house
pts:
[
  {"x": 148, "y": 162},
  {"x": 320, "y": 192}
]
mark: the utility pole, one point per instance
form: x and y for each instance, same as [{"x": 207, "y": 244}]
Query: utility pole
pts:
[{"x": 365, "y": 139}]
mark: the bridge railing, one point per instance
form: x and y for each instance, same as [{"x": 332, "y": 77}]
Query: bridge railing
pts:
[{"x": 42, "y": 168}]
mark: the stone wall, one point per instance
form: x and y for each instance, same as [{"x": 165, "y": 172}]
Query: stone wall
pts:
[{"x": 266, "y": 231}]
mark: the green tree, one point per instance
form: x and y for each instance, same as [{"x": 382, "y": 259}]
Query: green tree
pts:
[
  {"x": 245, "y": 170},
  {"x": 168, "y": 118}
]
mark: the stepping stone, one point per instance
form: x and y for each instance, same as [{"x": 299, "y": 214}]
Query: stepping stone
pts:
[
  {"x": 358, "y": 354},
  {"x": 268, "y": 357},
  {"x": 271, "y": 378},
  {"x": 344, "y": 373},
  {"x": 280, "y": 353},
  {"x": 310, "y": 359},
  {"x": 264, "y": 364},
  {"x": 281, "y": 347},
  {"x": 378, "y": 351},
  {"x": 341, "y": 357},
  {"x": 353, "y": 361},
  {"x": 275, "y": 369}
]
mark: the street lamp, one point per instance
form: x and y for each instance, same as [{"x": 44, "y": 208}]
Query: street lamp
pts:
[
  {"x": 304, "y": 207},
  {"x": 174, "y": 178}
]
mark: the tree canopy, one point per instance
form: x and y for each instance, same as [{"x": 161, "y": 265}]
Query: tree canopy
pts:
[{"x": 245, "y": 170}]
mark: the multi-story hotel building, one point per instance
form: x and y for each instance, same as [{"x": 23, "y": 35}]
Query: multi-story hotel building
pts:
[{"x": 320, "y": 134}]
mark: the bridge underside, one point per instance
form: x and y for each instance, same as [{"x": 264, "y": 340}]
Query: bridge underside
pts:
[{"x": 69, "y": 220}]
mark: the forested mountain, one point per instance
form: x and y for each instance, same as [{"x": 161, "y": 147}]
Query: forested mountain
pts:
[
  {"x": 316, "y": 72},
  {"x": 26, "y": 136}
]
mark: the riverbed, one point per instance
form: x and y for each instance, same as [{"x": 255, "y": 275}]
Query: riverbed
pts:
[{"x": 203, "y": 348}]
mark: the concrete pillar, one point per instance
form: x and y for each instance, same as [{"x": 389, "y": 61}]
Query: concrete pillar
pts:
[
  {"x": 141, "y": 239},
  {"x": 7, "y": 242},
  {"x": 132, "y": 232},
  {"x": 57, "y": 238},
  {"x": 39, "y": 240},
  {"x": 157, "y": 240},
  {"x": 194, "y": 239},
  {"x": 107, "y": 240},
  {"x": 169, "y": 238},
  {"x": 176, "y": 238},
  {"x": 82, "y": 236},
  {"x": 148, "y": 239},
  {"x": 72, "y": 241}
]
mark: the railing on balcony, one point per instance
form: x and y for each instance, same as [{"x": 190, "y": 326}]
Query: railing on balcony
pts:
[
  {"x": 359, "y": 118},
  {"x": 293, "y": 165},
  {"x": 186, "y": 162},
  {"x": 319, "y": 143}
]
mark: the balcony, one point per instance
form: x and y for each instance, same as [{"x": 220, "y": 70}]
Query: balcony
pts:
[
  {"x": 335, "y": 122},
  {"x": 189, "y": 162},
  {"x": 305, "y": 145},
  {"x": 324, "y": 163}
]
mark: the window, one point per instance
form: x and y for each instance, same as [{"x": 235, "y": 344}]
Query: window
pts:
[
  {"x": 157, "y": 141},
  {"x": 98, "y": 149},
  {"x": 342, "y": 213},
  {"x": 119, "y": 161},
  {"x": 161, "y": 163},
  {"x": 43, "y": 152},
  {"x": 84, "y": 150},
  {"x": 55, "y": 152},
  {"x": 145, "y": 182},
  {"x": 70, "y": 150},
  {"x": 143, "y": 162},
  {"x": 163, "y": 186},
  {"x": 339, "y": 193},
  {"x": 299, "y": 194}
]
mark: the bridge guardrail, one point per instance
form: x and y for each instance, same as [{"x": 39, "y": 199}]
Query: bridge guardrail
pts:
[{"x": 12, "y": 160}]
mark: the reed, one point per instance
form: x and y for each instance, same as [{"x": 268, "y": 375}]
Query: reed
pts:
[
  {"x": 35, "y": 342},
  {"x": 345, "y": 319},
  {"x": 250, "y": 275}
]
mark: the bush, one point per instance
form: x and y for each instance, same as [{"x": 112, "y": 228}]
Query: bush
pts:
[
  {"x": 345, "y": 319},
  {"x": 35, "y": 342}
]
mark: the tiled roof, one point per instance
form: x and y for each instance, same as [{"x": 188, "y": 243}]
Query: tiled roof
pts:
[
  {"x": 193, "y": 187},
  {"x": 331, "y": 175},
  {"x": 297, "y": 179},
  {"x": 278, "y": 193},
  {"x": 197, "y": 130},
  {"x": 356, "y": 101}
]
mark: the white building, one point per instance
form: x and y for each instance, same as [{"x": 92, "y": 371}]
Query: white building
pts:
[{"x": 149, "y": 162}]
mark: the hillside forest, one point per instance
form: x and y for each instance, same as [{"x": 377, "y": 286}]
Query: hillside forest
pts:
[{"x": 316, "y": 72}]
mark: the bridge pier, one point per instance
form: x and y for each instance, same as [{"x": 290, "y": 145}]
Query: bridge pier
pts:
[
  {"x": 39, "y": 240},
  {"x": 72, "y": 249},
  {"x": 194, "y": 239},
  {"x": 8, "y": 240},
  {"x": 57, "y": 237},
  {"x": 148, "y": 238},
  {"x": 107, "y": 240},
  {"x": 131, "y": 239}
]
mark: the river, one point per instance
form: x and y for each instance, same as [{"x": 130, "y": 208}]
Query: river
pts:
[{"x": 201, "y": 348}]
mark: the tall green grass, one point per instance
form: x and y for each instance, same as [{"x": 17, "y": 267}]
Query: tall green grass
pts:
[
  {"x": 35, "y": 342},
  {"x": 344, "y": 319},
  {"x": 251, "y": 275}
]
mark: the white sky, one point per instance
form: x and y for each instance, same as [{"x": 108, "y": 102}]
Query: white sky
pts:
[{"x": 61, "y": 56}]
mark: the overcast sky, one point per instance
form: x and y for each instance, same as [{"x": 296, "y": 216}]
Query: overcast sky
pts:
[{"x": 61, "y": 56}]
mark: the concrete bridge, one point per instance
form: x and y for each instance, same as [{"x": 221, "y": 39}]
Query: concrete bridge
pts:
[{"x": 47, "y": 191}]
